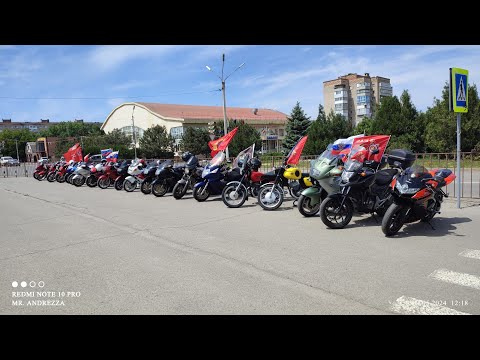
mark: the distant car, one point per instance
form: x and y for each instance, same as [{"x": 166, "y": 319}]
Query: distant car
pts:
[
  {"x": 43, "y": 159},
  {"x": 95, "y": 158},
  {"x": 9, "y": 161}
]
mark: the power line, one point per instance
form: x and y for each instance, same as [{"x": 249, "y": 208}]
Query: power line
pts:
[{"x": 106, "y": 98}]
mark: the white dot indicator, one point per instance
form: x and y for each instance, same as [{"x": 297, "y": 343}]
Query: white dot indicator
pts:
[
  {"x": 14, "y": 284},
  {"x": 41, "y": 284},
  {"x": 23, "y": 284},
  {"x": 32, "y": 284}
]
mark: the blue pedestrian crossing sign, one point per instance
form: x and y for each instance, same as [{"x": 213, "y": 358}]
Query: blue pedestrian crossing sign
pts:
[{"x": 458, "y": 90}]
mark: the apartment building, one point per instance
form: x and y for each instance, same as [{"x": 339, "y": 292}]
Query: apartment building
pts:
[{"x": 355, "y": 96}]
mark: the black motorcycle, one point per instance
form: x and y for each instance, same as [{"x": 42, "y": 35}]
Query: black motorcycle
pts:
[
  {"x": 191, "y": 175},
  {"x": 149, "y": 174},
  {"x": 166, "y": 177},
  {"x": 122, "y": 173},
  {"x": 364, "y": 189}
]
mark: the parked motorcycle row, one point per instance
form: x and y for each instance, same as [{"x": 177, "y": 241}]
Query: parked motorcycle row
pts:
[{"x": 338, "y": 185}]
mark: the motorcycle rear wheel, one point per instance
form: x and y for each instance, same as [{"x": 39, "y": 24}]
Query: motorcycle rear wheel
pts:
[
  {"x": 78, "y": 181},
  {"x": 269, "y": 191},
  {"x": 35, "y": 175},
  {"x": 306, "y": 208},
  {"x": 393, "y": 219},
  {"x": 60, "y": 178},
  {"x": 331, "y": 212},
  {"x": 119, "y": 184}
]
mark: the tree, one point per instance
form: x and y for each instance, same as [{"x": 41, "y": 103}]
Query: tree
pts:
[
  {"x": 297, "y": 126},
  {"x": 364, "y": 127},
  {"x": 8, "y": 145},
  {"x": 317, "y": 133},
  {"x": 196, "y": 141},
  {"x": 246, "y": 135},
  {"x": 156, "y": 142},
  {"x": 71, "y": 128}
]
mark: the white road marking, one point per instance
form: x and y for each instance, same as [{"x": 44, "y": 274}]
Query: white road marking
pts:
[
  {"x": 411, "y": 306},
  {"x": 454, "y": 277},
  {"x": 474, "y": 254}
]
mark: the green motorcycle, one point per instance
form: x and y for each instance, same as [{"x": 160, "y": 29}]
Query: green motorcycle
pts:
[{"x": 325, "y": 175}]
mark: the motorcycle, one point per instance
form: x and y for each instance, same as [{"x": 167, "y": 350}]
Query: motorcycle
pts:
[
  {"x": 214, "y": 178},
  {"x": 192, "y": 174},
  {"x": 136, "y": 176},
  {"x": 166, "y": 177},
  {"x": 61, "y": 173},
  {"x": 122, "y": 173},
  {"x": 70, "y": 172},
  {"x": 236, "y": 193},
  {"x": 149, "y": 175},
  {"x": 417, "y": 195},
  {"x": 108, "y": 176},
  {"x": 95, "y": 173},
  {"x": 81, "y": 173},
  {"x": 53, "y": 171},
  {"x": 364, "y": 189},
  {"x": 325, "y": 174},
  {"x": 41, "y": 171},
  {"x": 271, "y": 195}
]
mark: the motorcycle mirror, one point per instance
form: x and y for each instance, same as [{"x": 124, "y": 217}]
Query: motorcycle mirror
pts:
[{"x": 397, "y": 164}]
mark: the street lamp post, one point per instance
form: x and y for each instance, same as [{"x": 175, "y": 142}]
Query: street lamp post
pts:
[
  {"x": 222, "y": 79},
  {"x": 16, "y": 145},
  {"x": 134, "y": 135}
]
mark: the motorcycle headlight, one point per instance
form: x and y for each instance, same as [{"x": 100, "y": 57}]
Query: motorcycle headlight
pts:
[
  {"x": 404, "y": 189},
  {"x": 346, "y": 175}
]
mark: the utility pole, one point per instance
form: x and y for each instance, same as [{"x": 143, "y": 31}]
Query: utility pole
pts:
[
  {"x": 222, "y": 79},
  {"x": 16, "y": 145},
  {"x": 134, "y": 135}
]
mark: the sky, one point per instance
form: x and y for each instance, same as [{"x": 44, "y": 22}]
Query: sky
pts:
[{"x": 63, "y": 83}]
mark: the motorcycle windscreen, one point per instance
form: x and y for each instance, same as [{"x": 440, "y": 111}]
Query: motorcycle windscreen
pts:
[{"x": 217, "y": 159}]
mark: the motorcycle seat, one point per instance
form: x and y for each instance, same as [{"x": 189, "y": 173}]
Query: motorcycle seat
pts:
[{"x": 384, "y": 177}]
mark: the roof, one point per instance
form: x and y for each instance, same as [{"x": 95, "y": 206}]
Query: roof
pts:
[{"x": 212, "y": 112}]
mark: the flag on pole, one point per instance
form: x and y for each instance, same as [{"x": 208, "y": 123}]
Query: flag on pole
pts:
[
  {"x": 74, "y": 153},
  {"x": 105, "y": 153},
  {"x": 221, "y": 143},
  {"x": 113, "y": 156},
  {"x": 342, "y": 146},
  {"x": 371, "y": 143},
  {"x": 294, "y": 156}
]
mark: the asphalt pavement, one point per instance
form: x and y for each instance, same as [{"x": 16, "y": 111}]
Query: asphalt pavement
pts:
[{"x": 68, "y": 250}]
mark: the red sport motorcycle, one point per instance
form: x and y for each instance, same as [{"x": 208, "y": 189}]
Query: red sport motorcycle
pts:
[
  {"x": 109, "y": 175},
  {"x": 417, "y": 195},
  {"x": 42, "y": 171}
]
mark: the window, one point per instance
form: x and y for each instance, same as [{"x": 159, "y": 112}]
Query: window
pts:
[
  {"x": 363, "y": 99},
  {"x": 177, "y": 132},
  {"x": 128, "y": 131}
]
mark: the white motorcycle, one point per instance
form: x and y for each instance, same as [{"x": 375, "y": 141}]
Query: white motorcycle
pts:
[
  {"x": 135, "y": 177},
  {"x": 81, "y": 174}
]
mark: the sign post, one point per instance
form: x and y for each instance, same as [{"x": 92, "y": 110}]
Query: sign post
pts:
[{"x": 458, "y": 97}]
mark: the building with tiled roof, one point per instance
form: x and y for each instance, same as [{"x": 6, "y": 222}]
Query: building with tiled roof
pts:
[{"x": 269, "y": 123}]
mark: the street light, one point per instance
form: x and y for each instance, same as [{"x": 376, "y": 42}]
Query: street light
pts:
[{"x": 222, "y": 79}]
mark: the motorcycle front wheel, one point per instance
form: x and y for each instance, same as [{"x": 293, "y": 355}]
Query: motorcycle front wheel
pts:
[
  {"x": 119, "y": 184},
  {"x": 103, "y": 183},
  {"x": 179, "y": 190},
  {"x": 129, "y": 186},
  {"x": 393, "y": 219},
  {"x": 159, "y": 189},
  {"x": 146, "y": 187},
  {"x": 92, "y": 181},
  {"x": 35, "y": 175},
  {"x": 305, "y": 206},
  {"x": 270, "y": 197},
  {"x": 232, "y": 197},
  {"x": 334, "y": 214},
  {"x": 79, "y": 181},
  {"x": 201, "y": 193},
  {"x": 51, "y": 177},
  {"x": 60, "y": 178}
]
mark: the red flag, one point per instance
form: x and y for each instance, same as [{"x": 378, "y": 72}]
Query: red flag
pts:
[
  {"x": 371, "y": 143},
  {"x": 221, "y": 143},
  {"x": 294, "y": 156},
  {"x": 74, "y": 153}
]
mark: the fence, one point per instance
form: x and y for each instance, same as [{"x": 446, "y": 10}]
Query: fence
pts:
[{"x": 470, "y": 169}]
